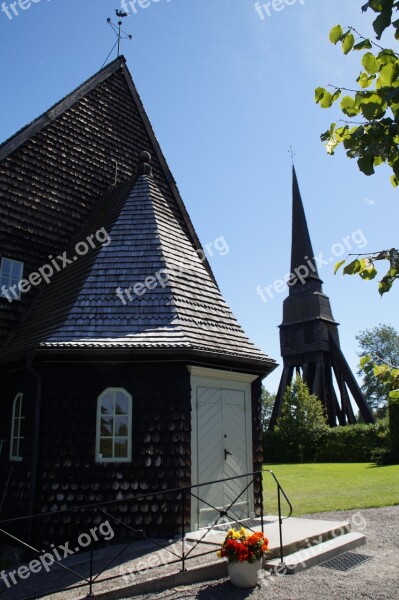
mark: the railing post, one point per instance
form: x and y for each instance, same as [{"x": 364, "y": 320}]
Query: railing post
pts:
[
  {"x": 90, "y": 595},
  {"x": 280, "y": 523},
  {"x": 261, "y": 502},
  {"x": 183, "y": 533}
]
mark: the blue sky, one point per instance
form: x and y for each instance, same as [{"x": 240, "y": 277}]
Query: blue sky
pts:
[{"x": 227, "y": 94}]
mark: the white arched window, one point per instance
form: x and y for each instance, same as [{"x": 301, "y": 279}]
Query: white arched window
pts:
[
  {"x": 114, "y": 426},
  {"x": 16, "y": 429}
]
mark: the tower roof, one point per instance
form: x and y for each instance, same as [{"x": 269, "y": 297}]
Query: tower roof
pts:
[
  {"x": 306, "y": 300},
  {"x": 302, "y": 255}
]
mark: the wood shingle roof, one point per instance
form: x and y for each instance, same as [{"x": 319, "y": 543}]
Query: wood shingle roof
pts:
[{"x": 151, "y": 235}]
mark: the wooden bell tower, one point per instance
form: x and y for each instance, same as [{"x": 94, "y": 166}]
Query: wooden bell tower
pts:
[{"x": 309, "y": 337}]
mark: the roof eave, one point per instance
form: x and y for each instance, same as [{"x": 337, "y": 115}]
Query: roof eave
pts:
[{"x": 261, "y": 367}]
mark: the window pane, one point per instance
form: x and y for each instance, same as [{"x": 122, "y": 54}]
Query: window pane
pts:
[
  {"x": 6, "y": 267},
  {"x": 16, "y": 270},
  {"x": 121, "y": 404},
  {"x": 107, "y": 404},
  {"x": 121, "y": 448},
  {"x": 106, "y": 447},
  {"x": 107, "y": 426},
  {"x": 121, "y": 426}
]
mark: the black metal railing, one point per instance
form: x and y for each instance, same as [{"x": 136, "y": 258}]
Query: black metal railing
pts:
[
  {"x": 178, "y": 495},
  {"x": 280, "y": 492}
]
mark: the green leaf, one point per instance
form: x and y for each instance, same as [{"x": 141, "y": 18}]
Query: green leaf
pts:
[
  {"x": 368, "y": 273},
  {"x": 394, "y": 394},
  {"x": 335, "y": 34},
  {"x": 325, "y": 136},
  {"x": 365, "y": 360},
  {"x": 384, "y": 286},
  {"x": 366, "y": 164},
  {"x": 348, "y": 106},
  {"x": 389, "y": 73},
  {"x": 338, "y": 266},
  {"x": 336, "y": 95},
  {"x": 348, "y": 43},
  {"x": 363, "y": 45},
  {"x": 370, "y": 63},
  {"x": 327, "y": 100},
  {"x": 373, "y": 107},
  {"x": 364, "y": 80},
  {"x": 318, "y": 94},
  {"x": 352, "y": 268},
  {"x": 382, "y": 22},
  {"x": 394, "y": 181}
]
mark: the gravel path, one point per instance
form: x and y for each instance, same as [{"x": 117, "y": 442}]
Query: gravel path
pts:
[{"x": 376, "y": 579}]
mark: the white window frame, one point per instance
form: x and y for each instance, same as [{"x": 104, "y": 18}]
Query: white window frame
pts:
[
  {"x": 99, "y": 457},
  {"x": 16, "y": 427},
  {"x": 11, "y": 281}
]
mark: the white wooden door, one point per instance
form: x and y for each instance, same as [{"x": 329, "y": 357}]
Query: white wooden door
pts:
[{"x": 223, "y": 452}]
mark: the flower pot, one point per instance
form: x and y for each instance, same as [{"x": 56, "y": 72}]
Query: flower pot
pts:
[{"x": 244, "y": 574}]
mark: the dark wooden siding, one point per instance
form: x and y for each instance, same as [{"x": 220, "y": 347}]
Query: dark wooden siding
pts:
[
  {"x": 17, "y": 474},
  {"x": 161, "y": 449},
  {"x": 257, "y": 439}
]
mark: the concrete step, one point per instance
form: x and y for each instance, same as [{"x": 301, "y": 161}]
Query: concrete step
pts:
[{"x": 315, "y": 554}]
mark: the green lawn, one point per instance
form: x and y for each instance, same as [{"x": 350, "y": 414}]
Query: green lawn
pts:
[{"x": 324, "y": 487}]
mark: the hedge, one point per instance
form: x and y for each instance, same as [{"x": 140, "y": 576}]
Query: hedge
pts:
[{"x": 353, "y": 443}]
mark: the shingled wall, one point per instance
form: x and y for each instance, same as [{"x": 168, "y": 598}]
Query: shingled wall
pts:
[
  {"x": 161, "y": 444},
  {"x": 68, "y": 473},
  {"x": 15, "y": 475}
]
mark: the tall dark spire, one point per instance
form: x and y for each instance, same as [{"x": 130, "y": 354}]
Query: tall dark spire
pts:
[
  {"x": 309, "y": 337},
  {"x": 302, "y": 255}
]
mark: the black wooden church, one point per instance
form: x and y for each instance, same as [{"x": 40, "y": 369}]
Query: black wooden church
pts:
[
  {"x": 309, "y": 337},
  {"x": 123, "y": 371}
]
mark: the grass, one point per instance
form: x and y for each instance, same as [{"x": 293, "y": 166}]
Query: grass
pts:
[{"x": 328, "y": 487}]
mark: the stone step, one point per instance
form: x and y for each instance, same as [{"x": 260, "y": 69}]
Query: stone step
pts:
[{"x": 315, "y": 554}]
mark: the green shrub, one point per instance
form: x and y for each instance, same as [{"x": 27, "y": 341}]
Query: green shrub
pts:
[
  {"x": 353, "y": 443},
  {"x": 383, "y": 456}
]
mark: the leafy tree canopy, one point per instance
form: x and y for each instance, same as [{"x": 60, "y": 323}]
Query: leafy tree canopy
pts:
[
  {"x": 302, "y": 423},
  {"x": 369, "y": 131},
  {"x": 379, "y": 364},
  {"x": 268, "y": 401}
]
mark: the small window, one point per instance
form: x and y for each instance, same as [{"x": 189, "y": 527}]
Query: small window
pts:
[
  {"x": 114, "y": 426},
  {"x": 16, "y": 429},
  {"x": 11, "y": 272}
]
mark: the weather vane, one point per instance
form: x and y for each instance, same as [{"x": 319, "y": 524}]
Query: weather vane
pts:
[{"x": 117, "y": 29}]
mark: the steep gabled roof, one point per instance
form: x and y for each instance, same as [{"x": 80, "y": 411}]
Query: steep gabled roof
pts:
[
  {"x": 53, "y": 171},
  {"x": 182, "y": 308},
  {"x": 59, "y": 114}
]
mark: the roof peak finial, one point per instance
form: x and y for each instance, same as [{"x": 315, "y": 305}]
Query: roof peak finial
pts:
[
  {"x": 145, "y": 167},
  {"x": 120, "y": 34}
]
